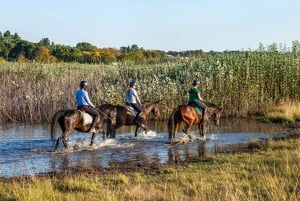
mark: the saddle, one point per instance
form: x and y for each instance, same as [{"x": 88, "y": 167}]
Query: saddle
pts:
[
  {"x": 130, "y": 110},
  {"x": 197, "y": 108}
]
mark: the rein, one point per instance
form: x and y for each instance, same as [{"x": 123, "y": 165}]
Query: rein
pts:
[{"x": 105, "y": 115}]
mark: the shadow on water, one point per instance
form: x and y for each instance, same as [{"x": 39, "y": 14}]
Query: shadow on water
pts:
[{"x": 27, "y": 149}]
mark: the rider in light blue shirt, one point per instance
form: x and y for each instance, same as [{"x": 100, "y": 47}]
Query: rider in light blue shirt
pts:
[
  {"x": 82, "y": 98},
  {"x": 84, "y": 103}
]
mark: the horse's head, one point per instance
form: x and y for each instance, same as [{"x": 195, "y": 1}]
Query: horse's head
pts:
[
  {"x": 216, "y": 114},
  {"x": 152, "y": 108},
  {"x": 155, "y": 110},
  {"x": 113, "y": 116}
]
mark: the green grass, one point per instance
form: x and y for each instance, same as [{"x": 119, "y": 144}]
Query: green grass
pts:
[{"x": 271, "y": 173}]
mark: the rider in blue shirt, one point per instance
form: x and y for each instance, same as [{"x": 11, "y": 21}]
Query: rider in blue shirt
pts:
[
  {"x": 133, "y": 100},
  {"x": 84, "y": 103}
]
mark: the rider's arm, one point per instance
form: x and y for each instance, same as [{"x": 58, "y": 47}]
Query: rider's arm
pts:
[
  {"x": 199, "y": 96},
  {"x": 137, "y": 97},
  {"x": 88, "y": 100}
]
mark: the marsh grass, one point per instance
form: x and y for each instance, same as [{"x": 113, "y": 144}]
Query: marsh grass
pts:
[
  {"x": 244, "y": 83},
  {"x": 271, "y": 173},
  {"x": 287, "y": 112}
]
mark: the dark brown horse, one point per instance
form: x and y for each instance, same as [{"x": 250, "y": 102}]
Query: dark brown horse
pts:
[
  {"x": 73, "y": 119},
  {"x": 189, "y": 116},
  {"x": 125, "y": 115}
]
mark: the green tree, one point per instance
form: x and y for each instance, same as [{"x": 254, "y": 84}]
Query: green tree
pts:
[
  {"x": 85, "y": 46},
  {"x": 44, "y": 42}
]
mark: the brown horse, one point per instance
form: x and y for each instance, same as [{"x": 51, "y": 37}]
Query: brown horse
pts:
[
  {"x": 189, "y": 116},
  {"x": 125, "y": 116},
  {"x": 73, "y": 119}
]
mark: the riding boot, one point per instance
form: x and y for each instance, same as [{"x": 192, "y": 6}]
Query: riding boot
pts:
[
  {"x": 92, "y": 129},
  {"x": 136, "y": 120},
  {"x": 204, "y": 119}
]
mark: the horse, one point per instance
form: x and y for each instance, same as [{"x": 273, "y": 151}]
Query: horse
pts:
[
  {"x": 125, "y": 115},
  {"x": 189, "y": 116},
  {"x": 73, "y": 119}
]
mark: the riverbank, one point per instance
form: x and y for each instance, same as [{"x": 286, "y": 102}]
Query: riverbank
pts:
[{"x": 267, "y": 172}]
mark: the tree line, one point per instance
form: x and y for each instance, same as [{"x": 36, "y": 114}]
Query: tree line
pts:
[{"x": 14, "y": 48}]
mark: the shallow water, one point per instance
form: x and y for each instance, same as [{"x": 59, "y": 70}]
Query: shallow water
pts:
[{"x": 28, "y": 149}]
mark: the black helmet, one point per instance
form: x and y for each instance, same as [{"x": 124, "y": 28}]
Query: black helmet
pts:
[
  {"x": 132, "y": 83},
  {"x": 195, "y": 82},
  {"x": 83, "y": 83}
]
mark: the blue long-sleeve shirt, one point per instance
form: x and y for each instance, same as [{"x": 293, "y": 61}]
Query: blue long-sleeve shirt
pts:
[{"x": 82, "y": 98}]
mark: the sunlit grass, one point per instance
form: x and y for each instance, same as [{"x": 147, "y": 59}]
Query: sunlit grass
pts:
[
  {"x": 284, "y": 113},
  {"x": 272, "y": 173}
]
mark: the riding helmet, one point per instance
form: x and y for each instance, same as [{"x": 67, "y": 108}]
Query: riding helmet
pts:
[
  {"x": 195, "y": 82},
  {"x": 83, "y": 83},
  {"x": 132, "y": 83}
]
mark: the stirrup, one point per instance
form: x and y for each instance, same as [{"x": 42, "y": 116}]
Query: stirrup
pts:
[
  {"x": 137, "y": 122},
  {"x": 93, "y": 130}
]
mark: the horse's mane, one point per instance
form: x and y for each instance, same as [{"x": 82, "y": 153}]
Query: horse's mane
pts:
[
  {"x": 210, "y": 104},
  {"x": 146, "y": 103}
]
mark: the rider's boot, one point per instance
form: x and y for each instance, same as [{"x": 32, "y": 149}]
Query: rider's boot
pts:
[
  {"x": 204, "y": 119},
  {"x": 136, "y": 120},
  {"x": 92, "y": 129}
]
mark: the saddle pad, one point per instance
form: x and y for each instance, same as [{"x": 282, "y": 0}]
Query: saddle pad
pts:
[
  {"x": 87, "y": 118},
  {"x": 198, "y": 110},
  {"x": 130, "y": 110}
]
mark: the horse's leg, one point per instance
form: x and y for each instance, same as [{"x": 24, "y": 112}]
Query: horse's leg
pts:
[
  {"x": 104, "y": 135},
  {"x": 201, "y": 127},
  {"x": 62, "y": 139},
  {"x": 57, "y": 143},
  {"x": 174, "y": 132},
  {"x": 65, "y": 143},
  {"x": 187, "y": 127},
  {"x": 113, "y": 132},
  {"x": 177, "y": 124},
  {"x": 136, "y": 130},
  {"x": 93, "y": 138}
]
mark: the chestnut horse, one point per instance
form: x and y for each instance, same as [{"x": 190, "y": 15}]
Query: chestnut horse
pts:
[
  {"x": 125, "y": 116},
  {"x": 189, "y": 116},
  {"x": 73, "y": 119}
]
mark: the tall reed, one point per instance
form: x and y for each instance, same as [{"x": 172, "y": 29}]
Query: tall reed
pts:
[{"x": 242, "y": 83}]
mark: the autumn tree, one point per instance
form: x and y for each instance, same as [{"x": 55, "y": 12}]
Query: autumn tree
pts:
[{"x": 43, "y": 55}]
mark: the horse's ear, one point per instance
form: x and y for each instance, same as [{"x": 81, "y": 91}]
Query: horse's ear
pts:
[{"x": 221, "y": 109}]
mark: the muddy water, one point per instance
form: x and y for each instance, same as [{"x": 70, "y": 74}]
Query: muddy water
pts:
[{"x": 28, "y": 150}]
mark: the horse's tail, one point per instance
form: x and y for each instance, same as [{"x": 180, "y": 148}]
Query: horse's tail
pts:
[
  {"x": 171, "y": 122},
  {"x": 54, "y": 122}
]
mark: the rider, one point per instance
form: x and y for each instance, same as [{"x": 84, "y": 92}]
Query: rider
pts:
[
  {"x": 83, "y": 103},
  {"x": 196, "y": 99},
  {"x": 133, "y": 100}
]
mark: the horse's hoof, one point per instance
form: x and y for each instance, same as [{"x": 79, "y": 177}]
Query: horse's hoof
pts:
[{"x": 202, "y": 138}]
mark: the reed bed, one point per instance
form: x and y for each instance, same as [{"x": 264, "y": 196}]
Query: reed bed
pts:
[{"x": 246, "y": 83}]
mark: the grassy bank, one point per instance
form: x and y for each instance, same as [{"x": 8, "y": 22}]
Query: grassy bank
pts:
[
  {"x": 283, "y": 113},
  {"x": 271, "y": 173},
  {"x": 244, "y": 84}
]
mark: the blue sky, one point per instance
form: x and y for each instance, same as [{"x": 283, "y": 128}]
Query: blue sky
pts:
[{"x": 155, "y": 24}]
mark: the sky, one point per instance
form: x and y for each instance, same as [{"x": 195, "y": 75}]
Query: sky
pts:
[{"x": 175, "y": 25}]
